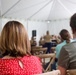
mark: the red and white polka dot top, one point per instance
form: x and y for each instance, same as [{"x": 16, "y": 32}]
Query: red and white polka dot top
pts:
[{"x": 31, "y": 65}]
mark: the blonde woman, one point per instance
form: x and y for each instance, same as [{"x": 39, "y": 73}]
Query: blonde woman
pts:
[{"x": 15, "y": 48}]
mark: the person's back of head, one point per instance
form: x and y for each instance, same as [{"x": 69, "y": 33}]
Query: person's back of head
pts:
[
  {"x": 65, "y": 35},
  {"x": 73, "y": 23},
  {"x": 47, "y": 32},
  {"x": 14, "y": 39}
]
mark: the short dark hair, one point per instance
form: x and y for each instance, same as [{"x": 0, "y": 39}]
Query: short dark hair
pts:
[
  {"x": 64, "y": 34},
  {"x": 73, "y": 22}
]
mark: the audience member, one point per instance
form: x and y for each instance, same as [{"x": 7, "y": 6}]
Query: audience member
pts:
[
  {"x": 54, "y": 41},
  {"x": 41, "y": 41},
  {"x": 33, "y": 41},
  {"x": 65, "y": 36},
  {"x": 58, "y": 39},
  {"x": 17, "y": 59},
  {"x": 67, "y": 57},
  {"x": 53, "y": 37}
]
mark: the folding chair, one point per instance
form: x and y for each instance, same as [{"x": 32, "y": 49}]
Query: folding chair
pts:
[
  {"x": 53, "y": 49},
  {"x": 38, "y": 50},
  {"x": 51, "y": 60}
]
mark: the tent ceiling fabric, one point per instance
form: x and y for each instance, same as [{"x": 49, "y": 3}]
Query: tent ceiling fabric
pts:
[{"x": 37, "y": 9}]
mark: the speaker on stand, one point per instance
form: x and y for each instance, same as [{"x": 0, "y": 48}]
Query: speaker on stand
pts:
[{"x": 33, "y": 33}]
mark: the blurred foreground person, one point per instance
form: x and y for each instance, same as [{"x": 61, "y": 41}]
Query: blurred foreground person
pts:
[
  {"x": 67, "y": 57},
  {"x": 15, "y": 45}
]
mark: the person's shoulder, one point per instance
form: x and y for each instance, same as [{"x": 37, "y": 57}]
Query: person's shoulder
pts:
[
  {"x": 70, "y": 44},
  {"x": 59, "y": 44},
  {"x": 6, "y": 61},
  {"x": 71, "y": 40},
  {"x": 31, "y": 57},
  {"x": 35, "y": 57}
]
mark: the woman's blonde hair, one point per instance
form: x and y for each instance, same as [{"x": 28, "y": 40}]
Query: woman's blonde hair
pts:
[{"x": 14, "y": 39}]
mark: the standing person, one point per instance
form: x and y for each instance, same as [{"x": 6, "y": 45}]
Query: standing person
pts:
[
  {"x": 14, "y": 45},
  {"x": 47, "y": 40},
  {"x": 67, "y": 58},
  {"x": 65, "y": 36}
]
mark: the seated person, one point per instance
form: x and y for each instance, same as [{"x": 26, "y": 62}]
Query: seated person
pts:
[
  {"x": 33, "y": 41},
  {"x": 54, "y": 41},
  {"x": 17, "y": 59},
  {"x": 58, "y": 39},
  {"x": 41, "y": 41},
  {"x": 65, "y": 36},
  {"x": 67, "y": 57}
]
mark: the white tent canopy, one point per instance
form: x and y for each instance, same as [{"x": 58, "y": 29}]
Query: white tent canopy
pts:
[
  {"x": 38, "y": 9},
  {"x": 34, "y": 14}
]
